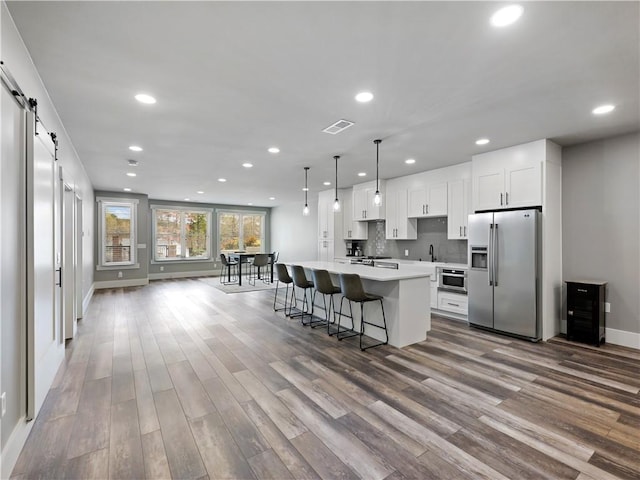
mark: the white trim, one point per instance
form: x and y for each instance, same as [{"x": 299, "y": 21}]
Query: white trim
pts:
[
  {"x": 103, "y": 203},
  {"x": 622, "y": 338},
  {"x": 87, "y": 299},
  {"x": 14, "y": 445},
  {"x": 166, "y": 275},
  {"x": 134, "y": 282}
]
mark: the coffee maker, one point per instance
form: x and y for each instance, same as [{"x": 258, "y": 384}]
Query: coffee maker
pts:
[{"x": 354, "y": 249}]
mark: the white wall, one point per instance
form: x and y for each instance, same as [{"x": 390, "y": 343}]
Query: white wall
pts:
[
  {"x": 294, "y": 235},
  {"x": 601, "y": 224}
]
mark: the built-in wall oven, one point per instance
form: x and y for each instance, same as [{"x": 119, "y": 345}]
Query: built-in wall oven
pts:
[{"x": 452, "y": 279}]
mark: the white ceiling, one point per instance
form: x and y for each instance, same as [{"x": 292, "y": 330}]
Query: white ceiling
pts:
[{"x": 234, "y": 78}]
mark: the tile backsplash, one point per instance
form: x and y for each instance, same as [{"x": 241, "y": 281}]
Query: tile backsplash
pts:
[{"x": 431, "y": 231}]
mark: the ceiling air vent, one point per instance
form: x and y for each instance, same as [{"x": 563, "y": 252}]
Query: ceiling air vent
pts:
[{"x": 337, "y": 127}]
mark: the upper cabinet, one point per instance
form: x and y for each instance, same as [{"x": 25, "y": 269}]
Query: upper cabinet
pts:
[
  {"x": 429, "y": 200},
  {"x": 351, "y": 229},
  {"x": 363, "y": 207},
  {"x": 459, "y": 209},
  {"x": 508, "y": 178},
  {"x": 397, "y": 225}
]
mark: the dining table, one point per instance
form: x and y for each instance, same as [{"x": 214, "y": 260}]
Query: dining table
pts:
[{"x": 243, "y": 258}]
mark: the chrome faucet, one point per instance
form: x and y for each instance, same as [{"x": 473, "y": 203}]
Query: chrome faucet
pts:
[{"x": 433, "y": 259}]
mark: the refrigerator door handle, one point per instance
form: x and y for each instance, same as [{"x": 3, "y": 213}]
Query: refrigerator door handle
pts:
[
  {"x": 495, "y": 256},
  {"x": 490, "y": 255}
]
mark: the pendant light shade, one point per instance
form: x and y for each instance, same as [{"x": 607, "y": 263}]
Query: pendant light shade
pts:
[
  {"x": 305, "y": 210},
  {"x": 336, "y": 202},
  {"x": 377, "y": 198}
]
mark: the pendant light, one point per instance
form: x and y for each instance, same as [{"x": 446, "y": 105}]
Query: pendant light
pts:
[
  {"x": 305, "y": 210},
  {"x": 336, "y": 202},
  {"x": 377, "y": 199}
]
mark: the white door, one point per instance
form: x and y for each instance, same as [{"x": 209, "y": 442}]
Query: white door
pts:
[
  {"x": 45, "y": 347},
  {"x": 69, "y": 260},
  {"x": 78, "y": 223}
]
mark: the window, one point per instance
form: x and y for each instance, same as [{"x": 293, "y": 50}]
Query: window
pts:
[
  {"x": 117, "y": 232},
  {"x": 181, "y": 234},
  {"x": 241, "y": 231}
]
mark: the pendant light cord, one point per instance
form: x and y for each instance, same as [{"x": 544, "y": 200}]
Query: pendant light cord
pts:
[
  {"x": 336, "y": 159},
  {"x": 377, "y": 142},
  {"x": 306, "y": 186}
]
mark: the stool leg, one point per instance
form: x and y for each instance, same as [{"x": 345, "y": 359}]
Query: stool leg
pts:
[
  {"x": 351, "y": 332},
  {"x": 384, "y": 327}
]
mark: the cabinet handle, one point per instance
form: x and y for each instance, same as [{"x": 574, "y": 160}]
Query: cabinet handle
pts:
[
  {"x": 453, "y": 304},
  {"x": 506, "y": 198},
  {"x": 500, "y": 199},
  {"x": 423, "y": 209},
  {"x": 427, "y": 206},
  {"x": 465, "y": 231},
  {"x": 59, "y": 272},
  {"x": 460, "y": 230}
]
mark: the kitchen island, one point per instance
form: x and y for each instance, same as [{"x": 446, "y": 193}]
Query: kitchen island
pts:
[{"x": 406, "y": 297}]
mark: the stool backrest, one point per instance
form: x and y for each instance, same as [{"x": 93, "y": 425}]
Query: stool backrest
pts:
[
  {"x": 299, "y": 277},
  {"x": 351, "y": 287},
  {"x": 322, "y": 281},
  {"x": 261, "y": 260},
  {"x": 283, "y": 273},
  {"x": 223, "y": 259}
]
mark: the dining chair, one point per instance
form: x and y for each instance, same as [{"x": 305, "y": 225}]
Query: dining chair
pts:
[
  {"x": 260, "y": 261},
  {"x": 228, "y": 269}
]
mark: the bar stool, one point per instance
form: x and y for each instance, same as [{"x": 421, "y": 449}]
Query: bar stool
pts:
[
  {"x": 300, "y": 281},
  {"x": 284, "y": 277},
  {"x": 323, "y": 284},
  {"x": 352, "y": 290},
  {"x": 259, "y": 261},
  {"x": 227, "y": 269}
]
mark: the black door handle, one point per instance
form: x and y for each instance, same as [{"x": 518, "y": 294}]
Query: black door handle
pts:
[{"x": 59, "y": 272}]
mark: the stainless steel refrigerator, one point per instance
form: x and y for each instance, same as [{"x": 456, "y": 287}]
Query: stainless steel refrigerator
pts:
[{"x": 504, "y": 272}]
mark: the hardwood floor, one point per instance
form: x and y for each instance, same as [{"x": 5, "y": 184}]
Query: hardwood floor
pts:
[{"x": 179, "y": 380}]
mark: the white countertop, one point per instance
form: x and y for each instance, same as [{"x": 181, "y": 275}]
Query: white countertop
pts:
[
  {"x": 366, "y": 272},
  {"x": 418, "y": 263}
]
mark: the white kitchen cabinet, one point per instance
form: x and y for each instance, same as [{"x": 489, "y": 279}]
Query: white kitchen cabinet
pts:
[
  {"x": 351, "y": 229},
  {"x": 330, "y": 241},
  {"x": 326, "y": 220},
  {"x": 397, "y": 225},
  {"x": 363, "y": 207},
  {"x": 326, "y": 250},
  {"x": 434, "y": 291},
  {"x": 459, "y": 208},
  {"x": 453, "y": 302},
  {"x": 428, "y": 201},
  {"x": 508, "y": 178}
]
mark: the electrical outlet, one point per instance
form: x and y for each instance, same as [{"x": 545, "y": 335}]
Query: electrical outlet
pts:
[
  {"x": 162, "y": 268},
  {"x": 406, "y": 253},
  {"x": 607, "y": 307},
  {"x": 4, "y": 403},
  {"x": 119, "y": 274}
]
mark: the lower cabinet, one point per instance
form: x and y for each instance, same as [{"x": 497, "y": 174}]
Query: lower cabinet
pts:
[
  {"x": 453, "y": 302},
  {"x": 434, "y": 291}
]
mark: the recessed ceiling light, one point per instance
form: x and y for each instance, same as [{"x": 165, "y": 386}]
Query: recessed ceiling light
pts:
[
  {"x": 410, "y": 161},
  {"x": 305, "y": 189},
  {"x": 126, "y": 189},
  {"x": 135, "y": 148},
  {"x": 364, "y": 97},
  {"x": 247, "y": 165},
  {"x": 222, "y": 180},
  {"x": 326, "y": 183},
  {"x": 272, "y": 198},
  {"x": 187, "y": 199},
  {"x": 250, "y": 203},
  {"x": 200, "y": 192},
  {"x": 506, "y": 15},
  {"x": 602, "y": 109},
  {"x": 145, "y": 98},
  {"x": 131, "y": 174},
  {"x": 362, "y": 174},
  {"x": 274, "y": 150},
  {"x": 482, "y": 141}
]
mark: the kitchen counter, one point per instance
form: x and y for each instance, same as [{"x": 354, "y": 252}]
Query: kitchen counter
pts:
[{"x": 406, "y": 296}]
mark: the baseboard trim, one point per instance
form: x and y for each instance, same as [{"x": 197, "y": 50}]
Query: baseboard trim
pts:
[
  {"x": 12, "y": 449},
  {"x": 622, "y": 338},
  {"x": 133, "y": 282},
  {"x": 169, "y": 275},
  {"x": 87, "y": 299}
]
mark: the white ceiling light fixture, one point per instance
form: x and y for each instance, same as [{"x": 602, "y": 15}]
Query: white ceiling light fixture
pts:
[
  {"x": 135, "y": 148},
  {"x": 326, "y": 184},
  {"x": 603, "y": 109},
  {"x": 362, "y": 174},
  {"x": 250, "y": 203},
  {"x": 377, "y": 198},
  {"x": 305, "y": 210},
  {"x": 274, "y": 150},
  {"x": 131, "y": 174},
  {"x": 336, "y": 202},
  {"x": 126, "y": 189},
  {"x": 187, "y": 199},
  {"x": 272, "y": 198},
  {"x": 410, "y": 161},
  {"x": 506, "y": 15},
  {"x": 364, "y": 97},
  {"x": 247, "y": 165},
  {"x": 200, "y": 192},
  {"x": 222, "y": 180},
  {"x": 145, "y": 98},
  {"x": 482, "y": 141}
]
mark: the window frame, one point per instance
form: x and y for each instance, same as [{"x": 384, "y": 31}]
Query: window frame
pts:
[
  {"x": 242, "y": 213},
  {"x": 103, "y": 204},
  {"x": 183, "y": 209}
]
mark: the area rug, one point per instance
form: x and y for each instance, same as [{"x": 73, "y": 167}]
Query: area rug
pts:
[{"x": 234, "y": 288}]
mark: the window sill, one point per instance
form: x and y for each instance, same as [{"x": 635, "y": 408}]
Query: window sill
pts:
[
  {"x": 182, "y": 260},
  {"x": 128, "y": 266}
]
